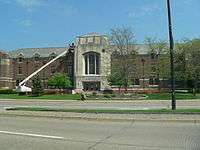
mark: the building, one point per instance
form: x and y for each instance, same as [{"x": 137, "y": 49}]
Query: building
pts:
[
  {"x": 92, "y": 62},
  {"x": 87, "y": 63},
  {"x": 6, "y": 80}
]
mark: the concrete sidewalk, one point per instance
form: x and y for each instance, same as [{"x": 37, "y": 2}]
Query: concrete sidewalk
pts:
[
  {"x": 194, "y": 118},
  {"x": 96, "y": 104}
]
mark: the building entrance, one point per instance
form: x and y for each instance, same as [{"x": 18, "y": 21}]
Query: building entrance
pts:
[{"x": 91, "y": 86}]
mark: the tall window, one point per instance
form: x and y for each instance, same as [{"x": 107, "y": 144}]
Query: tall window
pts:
[
  {"x": 92, "y": 62},
  {"x": 36, "y": 57},
  {"x": 19, "y": 70},
  {"x": 20, "y": 59},
  {"x": 53, "y": 69}
]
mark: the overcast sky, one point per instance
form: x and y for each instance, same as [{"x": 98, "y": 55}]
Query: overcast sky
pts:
[{"x": 45, "y": 23}]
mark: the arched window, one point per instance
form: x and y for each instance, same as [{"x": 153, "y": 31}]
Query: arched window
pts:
[
  {"x": 37, "y": 57},
  {"x": 20, "y": 58},
  {"x": 92, "y": 63},
  {"x": 52, "y": 55}
]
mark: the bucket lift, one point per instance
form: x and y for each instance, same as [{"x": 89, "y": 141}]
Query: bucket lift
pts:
[{"x": 22, "y": 85}]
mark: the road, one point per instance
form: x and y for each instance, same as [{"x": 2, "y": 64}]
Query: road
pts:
[
  {"x": 21, "y": 133},
  {"x": 136, "y": 104}
]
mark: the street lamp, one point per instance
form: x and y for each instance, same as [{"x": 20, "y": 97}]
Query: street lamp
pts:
[{"x": 171, "y": 56}]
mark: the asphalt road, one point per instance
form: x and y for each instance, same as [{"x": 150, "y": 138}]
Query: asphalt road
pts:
[
  {"x": 136, "y": 104},
  {"x": 53, "y": 134}
]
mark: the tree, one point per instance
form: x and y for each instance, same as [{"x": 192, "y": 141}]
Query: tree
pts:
[
  {"x": 37, "y": 89},
  {"x": 60, "y": 81},
  {"x": 158, "y": 49},
  {"x": 193, "y": 63},
  {"x": 188, "y": 63},
  {"x": 125, "y": 52},
  {"x": 180, "y": 62},
  {"x": 116, "y": 79}
]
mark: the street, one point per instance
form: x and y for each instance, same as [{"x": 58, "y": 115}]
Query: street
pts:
[{"x": 29, "y": 133}]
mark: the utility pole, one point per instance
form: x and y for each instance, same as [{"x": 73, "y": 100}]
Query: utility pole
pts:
[
  {"x": 171, "y": 41},
  {"x": 143, "y": 61}
]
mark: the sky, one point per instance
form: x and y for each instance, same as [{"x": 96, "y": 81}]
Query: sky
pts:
[{"x": 56, "y": 23}]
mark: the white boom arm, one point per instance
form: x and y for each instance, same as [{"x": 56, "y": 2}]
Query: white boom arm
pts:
[{"x": 22, "y": 84}]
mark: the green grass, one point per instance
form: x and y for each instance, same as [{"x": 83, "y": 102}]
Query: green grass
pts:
[
  {"x": 109, "y": 111},
  {"x": 167, "y": 96},
  {"x": 157, "y": 96},
  {"x": 43, "y": 97}
]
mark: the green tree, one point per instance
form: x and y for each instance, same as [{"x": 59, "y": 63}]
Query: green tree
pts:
[
  {"x": 158, "y": 49},
  {"x": 188, "y": 63},
  {"x": 37, "y": 89},
  {"x": 60, "y": 81},
  {"x": 193, "y": 63},
  {"x": 123, "y": 40},
  {"x": 116, "y": 79}
]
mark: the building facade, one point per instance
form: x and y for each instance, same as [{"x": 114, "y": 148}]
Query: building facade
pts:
[
  {"x": 92, "y": 62},
  {"x": 88, "y": 63},
  {"x": 6, "y": 80}
]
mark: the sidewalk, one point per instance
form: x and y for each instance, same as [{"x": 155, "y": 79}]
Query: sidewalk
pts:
[{"x": 194, "y": 118}]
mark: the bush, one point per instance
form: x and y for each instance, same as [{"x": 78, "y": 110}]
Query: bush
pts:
[
  {"x": 37, "y": 89},
  {"x": 113, "y": 95},
  {"x": 8, "y": 91},
  {"x": 94, "y": 94},
  {"x": 107, "y": 96},
  {"x": 107, "y": 91}
]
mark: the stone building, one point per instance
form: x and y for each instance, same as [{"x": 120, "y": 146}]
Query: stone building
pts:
[
  {"x": 92, "y": 62},
  {"x": 87, "y": 63}
]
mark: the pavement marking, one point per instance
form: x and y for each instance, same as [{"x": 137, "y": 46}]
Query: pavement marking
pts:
[{"x": 33, "y": 135}]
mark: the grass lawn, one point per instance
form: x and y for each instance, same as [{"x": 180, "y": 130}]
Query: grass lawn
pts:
[
  {"x": 111, "y": 111},
  {"x": 167, "y": 96},
  {"x": 44, "y": 97},
  {"x": 157, "y": 96}
]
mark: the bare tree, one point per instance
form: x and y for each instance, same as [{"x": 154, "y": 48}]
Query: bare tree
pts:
[{"x": 123, "y": 40}]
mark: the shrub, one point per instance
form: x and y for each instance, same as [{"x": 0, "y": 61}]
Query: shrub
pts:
[
  {"x": 107, "y": 96},
  {"x": 37, "y": 89},
  {"x": 94, "y": 94},
  {"x": 8, "y": 91},
  {"x": 108, "y": 91}
]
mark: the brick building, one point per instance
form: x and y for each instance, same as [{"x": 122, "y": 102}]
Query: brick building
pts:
[
  {"x": 6, "y": 80},
  {"x": 88, "y": 64}
]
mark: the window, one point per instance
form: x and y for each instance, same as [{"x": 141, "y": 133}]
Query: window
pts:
[
  {"x": 53, "y": 69},
  {"x": 36, "y": 57},
  {"x": 19, "y": 70},
  {"x": 151, "y": 81},
  {"x": 136, "y": 81},
  {"x": 52, "y": 55},
  {"x": 92, "y": 63},
  {"x": 20, "y": 59},
  {"x": 69, "y": 70},
  {"x": 154, "y": 81},
  {"x": 17, "y": 82}
]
